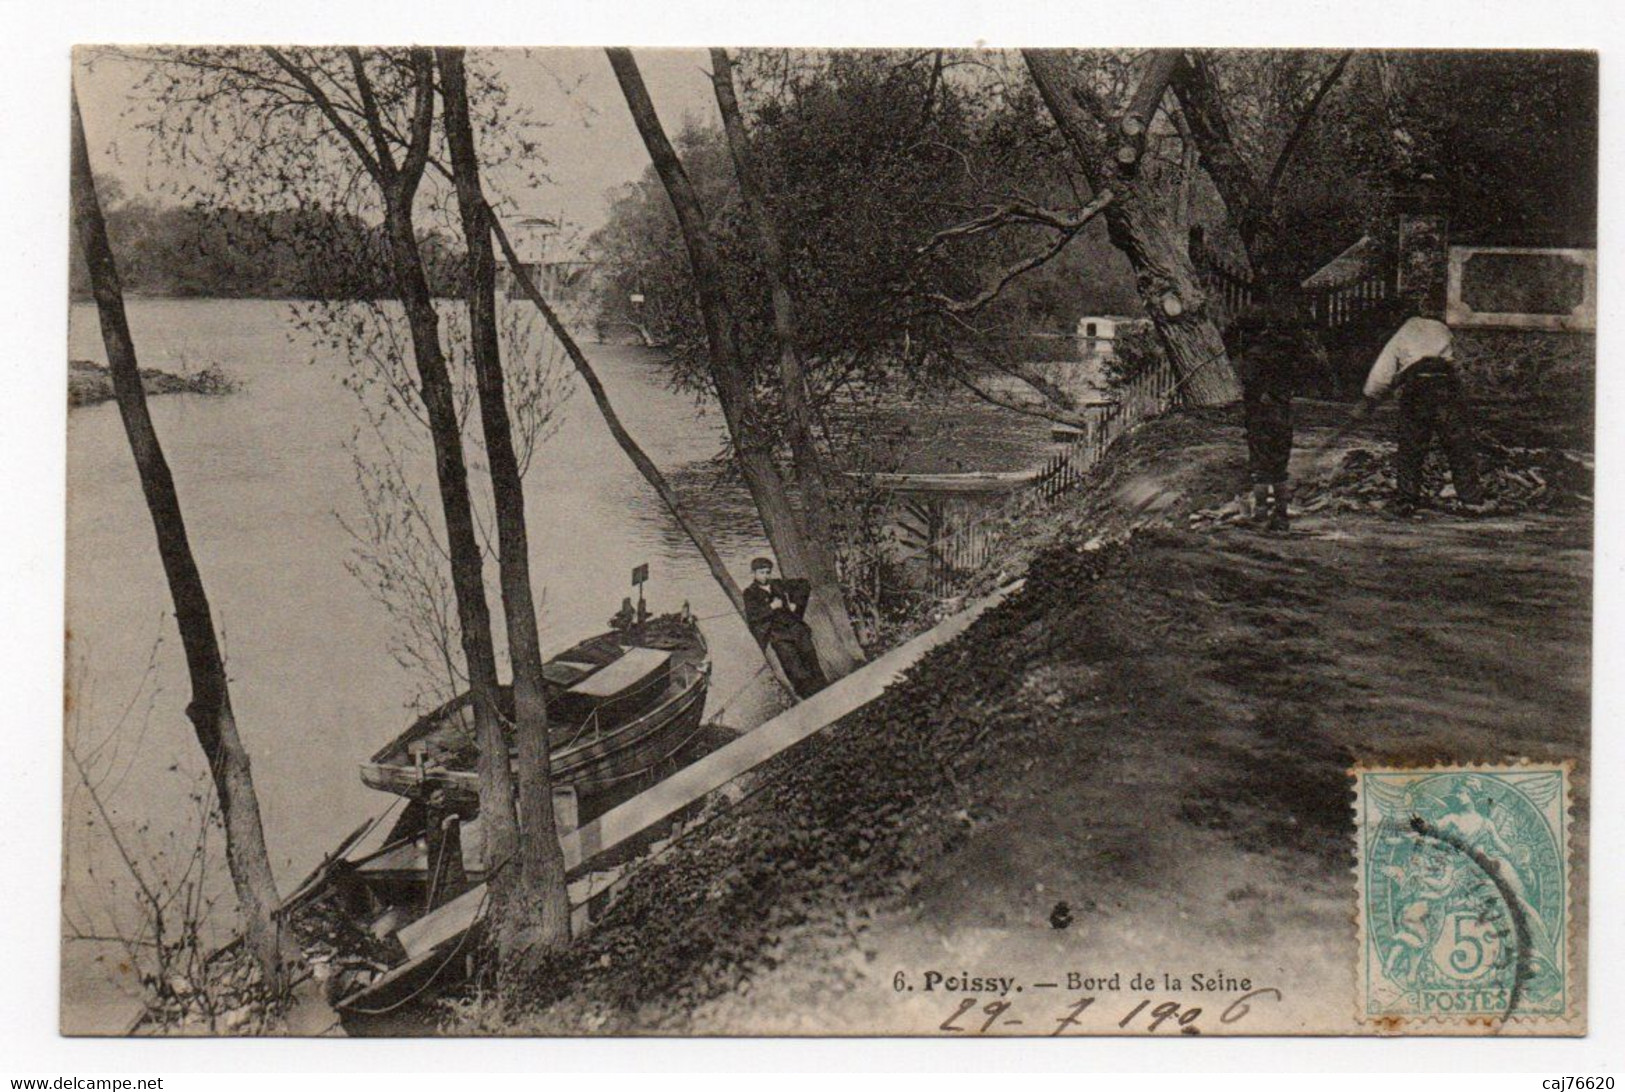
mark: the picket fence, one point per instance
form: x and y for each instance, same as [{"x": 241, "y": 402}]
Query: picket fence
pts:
[
  {"x": 1330, "y": 308},
  {"x": 1233, "y": 289},
  {"x": 972, "y": 544}
]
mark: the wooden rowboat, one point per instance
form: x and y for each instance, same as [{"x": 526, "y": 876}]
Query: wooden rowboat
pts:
[
  {"x": 618, "y": 704},
  {"x": 390, "y": 918},
  {"x": 423, "y": 943}
]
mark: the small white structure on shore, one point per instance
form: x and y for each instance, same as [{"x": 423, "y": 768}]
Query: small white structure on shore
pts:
[
  {"x": 1098, "y": 334},
  {"x": 1084, "y": 375}
]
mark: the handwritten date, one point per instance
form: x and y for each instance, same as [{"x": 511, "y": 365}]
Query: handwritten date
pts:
[{"x": 972, "y": 1017}]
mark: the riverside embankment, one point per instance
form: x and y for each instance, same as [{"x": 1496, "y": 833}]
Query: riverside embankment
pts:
[
  {"x": 1157, "y": 732},
  {"x": 268, "y": 481}
]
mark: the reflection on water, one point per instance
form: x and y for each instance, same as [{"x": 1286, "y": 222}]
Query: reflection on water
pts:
[
  {"x": 717, "y": 498},
  {"x": 265, "y": 479}
]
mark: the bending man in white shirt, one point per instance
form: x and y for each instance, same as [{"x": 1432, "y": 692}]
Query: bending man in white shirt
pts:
[{"x": 1418, "y": 365}]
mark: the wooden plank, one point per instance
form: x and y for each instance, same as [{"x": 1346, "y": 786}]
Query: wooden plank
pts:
[
  {"x": 972, "y": 481},
  {"x": 714, "y": 770},
  {"x": 443, "y": 923}
]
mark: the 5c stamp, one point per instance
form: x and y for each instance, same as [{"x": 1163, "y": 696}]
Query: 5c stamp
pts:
[{"x": 1463, "y": 888}]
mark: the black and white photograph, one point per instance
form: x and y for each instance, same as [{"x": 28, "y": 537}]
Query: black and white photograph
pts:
[{"x": 1049, "y": 540}]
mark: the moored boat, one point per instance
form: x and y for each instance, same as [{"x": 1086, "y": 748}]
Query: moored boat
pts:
[{"x": 618, "y": 704}]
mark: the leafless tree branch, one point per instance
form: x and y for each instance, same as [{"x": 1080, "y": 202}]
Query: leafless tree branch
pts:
[
  {"x": 325, "y": 104},
  {"x": 1305, "y": 119}
]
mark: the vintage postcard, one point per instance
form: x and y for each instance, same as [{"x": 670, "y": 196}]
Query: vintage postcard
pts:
[{"x": 916, "y": 542}]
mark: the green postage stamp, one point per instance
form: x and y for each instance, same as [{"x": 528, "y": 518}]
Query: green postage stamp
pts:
[{"x": 1463, "y": 896}]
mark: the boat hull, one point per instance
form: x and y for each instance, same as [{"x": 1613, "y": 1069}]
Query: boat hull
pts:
[{"x": 589, "y": 767}]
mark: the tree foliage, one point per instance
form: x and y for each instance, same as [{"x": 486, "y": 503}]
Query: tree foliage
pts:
[
  {"x": 866, "y": 157},
  {"x": 194, "y": 250},
  {"x": 1508, "y": 137},
  {"x": 910, "y": 183}
]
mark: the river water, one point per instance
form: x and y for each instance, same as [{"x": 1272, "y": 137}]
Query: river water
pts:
[{"x": 267, "y": 485}]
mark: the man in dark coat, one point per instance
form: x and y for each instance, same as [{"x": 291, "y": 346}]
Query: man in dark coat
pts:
[
  {"x": 1270, "y": 353},
  {"x": 773, "y": 610}
]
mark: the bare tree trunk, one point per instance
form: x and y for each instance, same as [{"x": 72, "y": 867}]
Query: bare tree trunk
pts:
[
  {"x": 1249, "y": 199},
  {"x": 451, "y": 471},
  {"x": 1173, "y": 297},
  {"x": 640, "y": 459},
  {"x": 542, "y": 921},
  {"x": 752, "y": 445},
  {"x": 398, "y": 185},
  {"x": 467, "y": 567},
  {"x": 826, "y": 588},
  {"x": 210, "y": 707}
]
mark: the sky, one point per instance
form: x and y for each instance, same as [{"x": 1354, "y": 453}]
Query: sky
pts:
[{"x": 590, "y": 143}]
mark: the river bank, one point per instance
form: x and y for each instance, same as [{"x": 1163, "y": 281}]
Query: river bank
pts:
[
  {"x": 269, "y": 485},
  {"x": 1139, "y": 762},
  {"x": 268, "y": 482}
]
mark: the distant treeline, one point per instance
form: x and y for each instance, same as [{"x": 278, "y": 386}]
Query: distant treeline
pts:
[{"x": 198, "y": 251}]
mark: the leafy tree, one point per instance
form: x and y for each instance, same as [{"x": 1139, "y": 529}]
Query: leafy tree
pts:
[
  {"x": 795, "y": 395},
  {"x": 195, "y": 250},
  {"x": 1510, "y": 136},
  {"x": 914, "y": 193}
]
